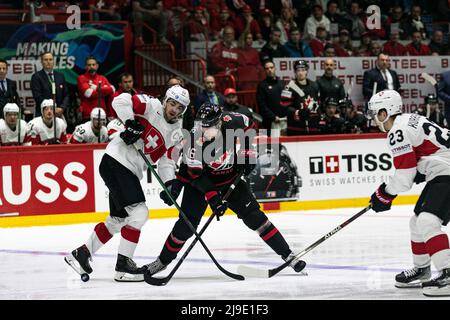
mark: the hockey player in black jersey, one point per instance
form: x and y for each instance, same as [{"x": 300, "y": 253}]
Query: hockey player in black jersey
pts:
[{"x": 205, "y": 180}]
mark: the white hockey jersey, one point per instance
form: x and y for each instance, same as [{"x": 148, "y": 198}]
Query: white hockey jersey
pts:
[
  {"x": 9, "y": 137},
  {"x": 157, "y": 138},
  {"x": 115, "y": 127},
  {"x": 39, "y": 133},
  {"x": 417, "y": 144},
  {"x": 83, "y": 133}
]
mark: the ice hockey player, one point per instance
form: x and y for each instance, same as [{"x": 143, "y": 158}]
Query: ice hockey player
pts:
[
  {"x": 420, "y": 150},
  {"x": 40, "y": 129},
  {"x": 11, "y": 126},
  {"x": 206, "y": 180},
  {"x": 300, "y": 97},
  {"x": 432, "y": 111},
  {"x": 115, "y": 127},
  {"x": 93, "y": 131},
  {"x": 154, "y": 128}
]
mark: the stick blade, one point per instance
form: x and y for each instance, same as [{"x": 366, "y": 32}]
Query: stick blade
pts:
[
  {"x": 429, "y": 78},
  {"x": 155, "y": 281},
  {"x": 252, "y": 272}
]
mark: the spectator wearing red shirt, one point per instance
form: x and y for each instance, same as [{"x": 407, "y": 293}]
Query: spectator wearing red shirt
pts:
[
  {"x": 104, "y": 10},
  {"x": 224, "y": 54},
  {"x": 197, "y": 26},
  {"x": 217, "y": 25},
  {"x": 416, "y": 47},
  {"x": 343, "y": 47},
  {"x": 393, "y": 47},
  {"x": 247, "y": 55},
  {"x": 88, "y": 89},
  {"x": 266, "y": 23},
  {"x": 246, "y": 22},
  {"x": 318, "y": 43}
]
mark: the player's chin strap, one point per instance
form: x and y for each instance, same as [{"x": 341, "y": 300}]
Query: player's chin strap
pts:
[{"x": 186, "y": 220}]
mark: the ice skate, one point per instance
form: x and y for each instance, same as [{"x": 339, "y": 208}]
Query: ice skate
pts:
[
  {"x": 127, "y": 270},
  {"x": 439, "y": 286},
  {"x": 79, "y": 261},
  {"x": 412, "y": 278}
]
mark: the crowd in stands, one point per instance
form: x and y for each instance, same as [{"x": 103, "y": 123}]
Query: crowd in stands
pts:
[{"x": 246, "y": 36}]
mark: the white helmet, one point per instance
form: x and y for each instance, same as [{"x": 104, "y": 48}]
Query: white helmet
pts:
[
  {"x": 179, "y": 94},
  {"x": 46, "y": 103},
  {"x": 389, "y": 100},
  {"x": 96, "y": 112},
  {"x": 10, "y": 107}
]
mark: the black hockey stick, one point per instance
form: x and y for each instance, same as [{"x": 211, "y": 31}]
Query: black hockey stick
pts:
[
  {"x": 186, "y": 220},
  {"x": 163, "y": 281},
  {"x": 99, "y": 88},
  {"x": 253, "y": 272},
  {"x": 54, "y": 111}
]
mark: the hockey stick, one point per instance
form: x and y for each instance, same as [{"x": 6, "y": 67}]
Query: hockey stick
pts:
[
  {"x": 186, "y": 220},
  {"x": 163, "y": 281},
  {"x": 99, "y": 88},
  {"x": 253, "y": 272},
  {"x": 54, "y": 110}
]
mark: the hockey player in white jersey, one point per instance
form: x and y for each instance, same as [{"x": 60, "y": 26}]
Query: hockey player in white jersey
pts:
[
  {"x": 420, "y": 150},
  {"x": 154, "y": 128},
  {"x": 115, "y": 127},
  {"x": 93, "y": 131},
  {"x": 11, "y": 127},
  {"x": 41, "y": 129}
]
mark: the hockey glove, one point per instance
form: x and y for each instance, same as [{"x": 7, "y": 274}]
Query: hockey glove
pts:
[
  {"x": 419, "y": 178},
  {"x": 132, "y": 132},
  {"x": 174, "y": 186},
  {"x": 381, "y": 200},
  {"x": 216, "y": 203}
]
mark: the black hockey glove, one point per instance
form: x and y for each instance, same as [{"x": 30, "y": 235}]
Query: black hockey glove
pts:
[
  {"x": 216, "y": 203},
  {"x": 174, "y": 186},
  {"x": 132, "y": 132},
  {"x": 381, "y": 200},
  {"x": 419, "y": 178}
]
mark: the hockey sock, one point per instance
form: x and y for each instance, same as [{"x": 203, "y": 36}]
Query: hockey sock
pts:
[
  {"x": 421, "y": 258},
  {"x": 270, "y": 234},
  {"x": 129, "y": 241},
  {"x": 170, "y": 249},
  {"x": 98, "y": 238}
]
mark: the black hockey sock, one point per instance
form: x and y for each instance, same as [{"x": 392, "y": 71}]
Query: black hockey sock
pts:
[
  {"x": 274, "y": 239},
  {"x": 170, "y": 249}
]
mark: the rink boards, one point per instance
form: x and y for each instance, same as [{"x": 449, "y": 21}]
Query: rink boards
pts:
[{"x": 57, "y": 185}]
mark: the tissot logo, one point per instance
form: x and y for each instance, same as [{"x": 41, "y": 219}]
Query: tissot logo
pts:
[{"x": 350, "y": 163}]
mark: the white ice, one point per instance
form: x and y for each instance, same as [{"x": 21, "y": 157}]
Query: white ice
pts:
[{"x": 359, "y": 262}]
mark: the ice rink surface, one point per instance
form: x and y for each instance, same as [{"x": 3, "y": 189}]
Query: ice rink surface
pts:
[{"x": 359, "y": 262}]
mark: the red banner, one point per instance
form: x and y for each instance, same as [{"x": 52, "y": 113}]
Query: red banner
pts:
[{"x": 46, "y": 181}]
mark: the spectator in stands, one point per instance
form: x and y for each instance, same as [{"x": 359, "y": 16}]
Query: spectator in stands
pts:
[
  {"x": 41, "y": 129},
  {"x": 188, "y": 116},
  {"x": 218, "y": 25},
  {"x": 268, "y": 94},
  {"x": 374, "y": 49},
  {"x": 231, "y": 103},
  {"x": 301, "y": 100},
  {"x": 395, "y": 22},
  {"x": 266, "y": 23},
  {"x": 354, "y": 120},
  {"x": 273, "y": 48},
  {"x": 436, "y": 45},
  {"x": 247, "y": 55},
  {"x": 343, "y": 46},
  {"x": 337, "y": 21},
  {"x": 431, "y": 110},
  {"x": 93, "y": 131},
  {"x": 319, "y": 42},
  {"x": 357, "y": 24},
  {"x": 8, "y": 88},
  {"x": 151, "y": 12},
  {"x": 444, "y": 93},
  {"x": 329, "y": 85},
  {"x": 224, "y": 54},
  {"x": 246, "y": 22},
  {"x": 285, "y": 23},
  {"x": 393, "y": 47},
  {"x": 416, "y": 47},
  {"x": 126, "y": 85},
  {"x": 414, "y": 23},
  {"x": 209, "y": 94},
  {"x": 331, "y": 122},
  {"x": 366, "y": 41},
  {"x": 89, "y": 89},
  {"x": 197, "y": 26},
  {"x": 104, "y": 10},
  {"x": 382, "y": 75},
  {"x": 12, "y": 128},
  {"x": 42, "y": 83},
  {"x": 329, "y": 51},
  {"x": 295, "y": 46},
  {"x": 316, "y": 19}
]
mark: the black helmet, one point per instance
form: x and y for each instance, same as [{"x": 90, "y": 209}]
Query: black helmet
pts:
[
  {"x": 431, "y": 98},
  {"x": 331, "y": 101},
  {"x": 301, "y": 64},
  {"x": 209, "y": 114}
]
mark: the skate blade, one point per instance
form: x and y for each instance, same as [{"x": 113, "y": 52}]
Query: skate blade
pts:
[
  {"x": 436, "y": 291},
  {"x": 412, "y": 285},
  {"x": 128, "y": 277},
  {"x": 73, "y": 263}
]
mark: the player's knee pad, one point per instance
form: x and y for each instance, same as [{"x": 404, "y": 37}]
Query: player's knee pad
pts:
[
  {"x": 429, "y": 225},
  {"x": 255, "y": 219},
  {"x": 114, "y": 224},
  {"x": 137, "y": 215}
]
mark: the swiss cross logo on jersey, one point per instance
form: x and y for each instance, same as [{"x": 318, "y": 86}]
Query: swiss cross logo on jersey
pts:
[
  {"x": 332, "y": 164},
  {"x": 154, "y": 144},
  {"x": 226, "y": 118}
]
